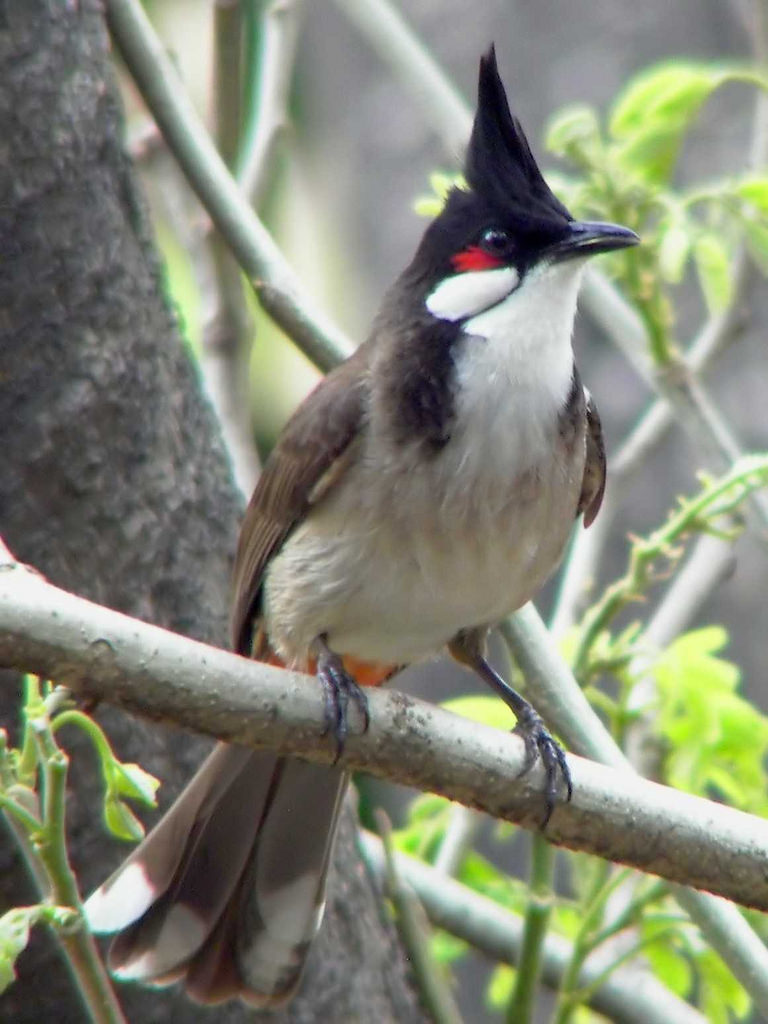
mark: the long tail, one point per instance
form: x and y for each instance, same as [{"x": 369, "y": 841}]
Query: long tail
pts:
[{"x": 228, "y": 890}]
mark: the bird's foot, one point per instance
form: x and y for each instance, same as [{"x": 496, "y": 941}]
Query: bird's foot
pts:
[
  {"x": 540, "y": 744},
  {"x": 338, "y": 689}
]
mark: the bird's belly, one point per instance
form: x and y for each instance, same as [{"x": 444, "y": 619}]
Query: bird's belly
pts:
[{"x": 393, "y": 582}]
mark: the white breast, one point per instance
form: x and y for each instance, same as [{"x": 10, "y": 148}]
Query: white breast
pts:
[{"x": 407, "y": 550}]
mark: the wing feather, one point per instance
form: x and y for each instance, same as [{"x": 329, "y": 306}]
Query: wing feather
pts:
[
  {"x": 593, "y": 484},
  {"x": 308, "y": 459}
]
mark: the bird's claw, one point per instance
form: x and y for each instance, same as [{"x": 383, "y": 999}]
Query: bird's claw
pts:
[
  {"x": 338, "y": 688},
  {"x": 540, "y": 744}
]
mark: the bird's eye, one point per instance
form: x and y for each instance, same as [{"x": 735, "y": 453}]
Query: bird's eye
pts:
[{"x": 496, "y": 242}]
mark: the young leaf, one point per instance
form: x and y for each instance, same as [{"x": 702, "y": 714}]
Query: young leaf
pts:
[
  {"x": 484, "y": 709},
  {"x": 757, "y": 241},
  {"x": 130, "y": 780},
  {"x": 670, "y": 967},
  {"x": 755, "y": 192},
  {"x": 657, "y": 108},
  {"x": 446, "y": 948},
  {"x": 713, "y": 267},
  {"x": 121, "y": 821},
  {"x": 672, "y": 90},
  {"x": 431, "y": 204},
  {"x": 499, "y": 990},
  {"x": 717, "y": 740},
  {"x": 575, "y": 133},
  {"x": 15, "y": 926},
  {"x": 674, "y": 249},
  {"x": 482, "y": 876},
  {"x": 721, "y": 997}
]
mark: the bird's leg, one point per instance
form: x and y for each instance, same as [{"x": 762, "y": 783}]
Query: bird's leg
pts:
[
  {"x": 468, "y": 648},
  {"x": 338, "y": 688}
]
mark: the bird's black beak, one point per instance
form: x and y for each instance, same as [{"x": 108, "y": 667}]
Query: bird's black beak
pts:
[{"x": 588, "y": 238}]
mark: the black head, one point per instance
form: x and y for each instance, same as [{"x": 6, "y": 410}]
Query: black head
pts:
[
  {"x": 475, "y": 255},
  {"x": 507, "y": 215}
]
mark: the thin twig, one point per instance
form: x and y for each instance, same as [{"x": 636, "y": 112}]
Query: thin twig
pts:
[
  {"x": 693, "y": 407},
  {"x": 711, "y": 562},
  {"x": 563, "y": 704},
  {"x": 718, "y": 332},
  {"x": 415, "y": 932},
  {"x": 463, "y": 826},
  {"x": 249, "y": 240},
  {"x": 387, "y": 32},
  {"x": 227, "y": 324},
  {"x": 521, "y": 1007},
  {"x": 713, "y": 559},
  {"x": 628, "y": 996},
  {"x": 78, "y": 944},
  {"x": 261, "y": 138}
]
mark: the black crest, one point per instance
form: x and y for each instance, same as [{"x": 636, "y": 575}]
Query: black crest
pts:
[{"x": 500, "y": 166}]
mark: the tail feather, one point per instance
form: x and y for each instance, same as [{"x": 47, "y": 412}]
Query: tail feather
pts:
[
  {"x": 151, "y": 868},
  {"x": 285, "y": 896},
  {"x": 227, "y": 891},
  {"x": 215, "y": 852}
]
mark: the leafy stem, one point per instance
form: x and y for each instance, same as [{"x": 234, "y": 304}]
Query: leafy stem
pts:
[
  {"x": 522, "y": 1002},
  {"x": 43, "y": 843},
  {"x": 717, "y": 499}
]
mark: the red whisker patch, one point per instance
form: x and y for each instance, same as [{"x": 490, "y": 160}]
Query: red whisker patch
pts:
[{"x": 474, "y": 258}]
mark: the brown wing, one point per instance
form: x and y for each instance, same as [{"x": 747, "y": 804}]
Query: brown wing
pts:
[
  {"x": 593, "y": 484},
  {"x": 306, "y": 461}
]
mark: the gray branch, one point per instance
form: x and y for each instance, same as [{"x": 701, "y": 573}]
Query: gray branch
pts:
[
  {"x": 397, "y": 44},
  {"x": 105, "y": 655},
  {"x": 562, "y": 702},
  {"x": 251, "y": 243},
  {"x": 627, "y": 996},
  {"x": 280, "y": 28}
]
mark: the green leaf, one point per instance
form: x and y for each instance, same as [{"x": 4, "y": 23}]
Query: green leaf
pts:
[
  {"x": 15, "y": 926},
  {"x": 575, "y": 132},
  {"x": 482, "y": 876},
  {"x": 653, "y": 113},
  {"x": 428, "y": 206},
  {"x": 431, "y": 204},
  {"x": 446, "y": 948},
  {"x": 674, "y": 249},
  {"x": 717, "y": 740},
  {"x": 670, "y": 91},
  {"x": 428, "y": 817},
  {"x": 130, "y": 780},
  {"x": 499, "y": 990},
  {"x": 670, "y": 967},
  {"x": 484, "y": 709},
  {"x": 720, "y": 994},
  {"x": 121, "y": 821},
  {"x": 757, "y": 241},
  {"x": 713, "y": 267},
  {"x": 755, "y": 192}
]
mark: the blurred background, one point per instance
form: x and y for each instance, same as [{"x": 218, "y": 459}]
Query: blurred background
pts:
[{"x": 359, "y": 152}]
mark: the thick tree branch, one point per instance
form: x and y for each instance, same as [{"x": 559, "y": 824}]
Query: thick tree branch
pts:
[{"x": 165, "y": 677}]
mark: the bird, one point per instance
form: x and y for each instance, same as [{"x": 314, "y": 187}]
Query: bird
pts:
[{"x": 421, "y": 493}]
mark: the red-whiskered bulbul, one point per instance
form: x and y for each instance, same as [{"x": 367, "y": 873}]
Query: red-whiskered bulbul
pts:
[{"x": 422, "y": 492}]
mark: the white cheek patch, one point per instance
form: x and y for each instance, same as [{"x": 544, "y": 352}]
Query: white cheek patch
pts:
[{"x": 468, "y": 294}]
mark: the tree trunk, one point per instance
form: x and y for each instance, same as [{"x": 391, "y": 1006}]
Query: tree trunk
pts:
[{"x": 115, "y": 484}]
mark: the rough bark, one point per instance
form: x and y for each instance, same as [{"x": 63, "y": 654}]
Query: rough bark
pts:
[{"x": 114, "y": 482}]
